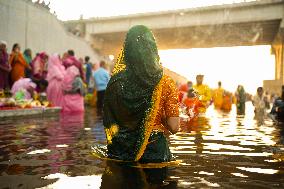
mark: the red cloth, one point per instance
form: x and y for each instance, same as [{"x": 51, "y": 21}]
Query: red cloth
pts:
[
  {"x": 183, "y": 88},
  {"x": 192, "y": 104}
]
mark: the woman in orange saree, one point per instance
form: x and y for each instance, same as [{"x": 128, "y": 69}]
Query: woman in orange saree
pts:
[{"x": 18, "y": 64}]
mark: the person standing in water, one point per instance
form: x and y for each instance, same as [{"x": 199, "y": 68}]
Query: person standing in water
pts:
[
  {"x": 141, "y": 102},
  {"x": 259, "y": 101},
  {"x": 218, "y": 95},
  {"x": 204, "y": 93},
  {"x": 240, "y": 95},
  {"x": 101, "y": 77}
]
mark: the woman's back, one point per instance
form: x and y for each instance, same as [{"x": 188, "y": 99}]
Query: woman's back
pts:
[{"x": 139, "y": 102}]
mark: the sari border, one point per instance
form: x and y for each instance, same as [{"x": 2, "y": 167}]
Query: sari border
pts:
[{"x": 150, "y": 117}]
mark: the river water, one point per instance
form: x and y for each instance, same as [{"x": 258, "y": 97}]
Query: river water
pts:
[{"x": 222, "y": 150}]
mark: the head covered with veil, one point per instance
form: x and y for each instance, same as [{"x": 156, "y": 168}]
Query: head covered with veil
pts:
[{"x": 129, "y": 100}]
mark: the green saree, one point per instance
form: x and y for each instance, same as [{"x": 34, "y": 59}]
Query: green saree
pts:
[{"x": 132, "y": 100}]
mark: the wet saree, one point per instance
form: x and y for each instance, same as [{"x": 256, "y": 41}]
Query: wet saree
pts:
[{"x": 137, "y": 97}]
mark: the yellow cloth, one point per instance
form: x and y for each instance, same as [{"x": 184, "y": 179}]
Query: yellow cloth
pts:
[
  {"x": 218, "y": 97},
  {"x": 204, "y": 96}
]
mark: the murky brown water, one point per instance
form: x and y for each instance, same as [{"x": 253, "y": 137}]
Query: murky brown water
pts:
[{"x": 224, "y": 150}]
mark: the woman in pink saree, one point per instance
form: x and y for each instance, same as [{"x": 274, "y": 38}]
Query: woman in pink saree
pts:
[
  {"x": 23, "y": 89},
  {"x": 55, "y": 76},
  {"x": 73, "y": 90},
  {"x": 39, "y": 65}
]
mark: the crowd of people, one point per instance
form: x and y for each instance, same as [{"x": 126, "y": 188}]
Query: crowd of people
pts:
[
  {"x": 196, "y": 98},
  {"x": 61, "y": 80},
  {"x": 140, "y": 103}
]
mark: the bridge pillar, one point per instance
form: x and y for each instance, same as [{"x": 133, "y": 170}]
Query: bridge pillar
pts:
[
  {"x": 274, "y": 86},
  {"x": 278, "y": 50}
]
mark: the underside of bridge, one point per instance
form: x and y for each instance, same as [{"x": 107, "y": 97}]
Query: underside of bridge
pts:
[
  {"x": 241, "y": 34},
  {"x": 246, "y": 24}
]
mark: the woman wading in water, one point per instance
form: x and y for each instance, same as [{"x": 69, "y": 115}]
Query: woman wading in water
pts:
[{"x": 141, "y": 103}]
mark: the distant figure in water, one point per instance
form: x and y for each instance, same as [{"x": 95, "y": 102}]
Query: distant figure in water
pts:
[
  {"x": 240, "y": 95},
  {"x": 260, "y": 102},
  {"x": 183, "y": 89},
  {"x": 227, "y": 101},
  {"x": 204, "y": 93},
  {"x": 55, "y": 76},
  {"x": 73, "y": 90},
  {"x": 192, "y": 104},
  {"x": 277, "y": 110},
  {"x": 69, "y": 60},
  {"x": 141, "y": 103},
  {"x": 101, "y": 78},
  {"x": 218, "y": 95}
]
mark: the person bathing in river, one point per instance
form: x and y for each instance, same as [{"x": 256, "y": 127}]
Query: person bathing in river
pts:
[
  {"x": 141, "y": 103},
  {"x": 240, "y": 95},
  {"x": 218, "y": 95},
  {"x": 259, "y": 101},
  {"x": 192, "y": 104},
  {"x": 55, "y": 76},
  {"x": 277, "y": 111},
  {"x": 73, "y": 90},
  {"x": 204, "y": 93}
]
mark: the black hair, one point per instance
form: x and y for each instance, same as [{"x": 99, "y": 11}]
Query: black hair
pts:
[
  {"x": 191, "y": 93},
  {"x": 87, "y": 58},
  {"x": 260, "y": 88},
  {"x": 15, "y": 46},
  {"x": 71, "y": 52},
  {"x": 43, "y": 82}
]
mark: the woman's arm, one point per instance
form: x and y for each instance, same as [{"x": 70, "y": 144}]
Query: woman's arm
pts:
[
  {"x": 171, "y": 118},
  {"x": 172, "y": 124}
]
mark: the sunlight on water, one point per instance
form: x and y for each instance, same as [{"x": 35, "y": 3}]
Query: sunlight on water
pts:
[
  {"x": 244, "y": 65},
  {"x": 258, "y": 170},
  {"x": 65, "y": 181},
  {"x": 223, "y": 150},
  {"x": 39, "y": 152},
  {"x": 239, "y": 175}
]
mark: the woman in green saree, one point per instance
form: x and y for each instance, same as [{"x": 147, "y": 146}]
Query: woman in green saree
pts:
[
  {"x": 141, "y": 103},
  {"x": 241, "y": 100}
]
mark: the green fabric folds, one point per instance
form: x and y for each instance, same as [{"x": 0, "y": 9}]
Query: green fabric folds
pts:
[{"x": 128, "y": 97}]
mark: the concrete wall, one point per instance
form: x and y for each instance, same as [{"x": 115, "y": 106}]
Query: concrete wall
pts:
[
  {"x": 273, "y": 86},
  {"x": 175, "y": 76},
  {"x": 34, "y": 27}
]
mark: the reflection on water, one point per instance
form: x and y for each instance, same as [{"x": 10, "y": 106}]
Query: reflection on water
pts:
[{"x": 221, "y": 150}]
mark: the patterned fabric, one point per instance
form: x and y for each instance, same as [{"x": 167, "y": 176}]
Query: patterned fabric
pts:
[
  {"x": 135, "y": 99},
  {"x": 204, "y": 94},
  {"x": 241, "y": 100},
  {"x": 18, "y": 65}
]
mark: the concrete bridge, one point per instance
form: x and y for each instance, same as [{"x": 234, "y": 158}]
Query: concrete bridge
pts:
[{"x": 247, "y": 23}]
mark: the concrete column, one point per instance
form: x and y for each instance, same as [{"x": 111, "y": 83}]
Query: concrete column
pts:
[
  {"x": 274, "y": 86},
  {"x": 278, "y": 52}
]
